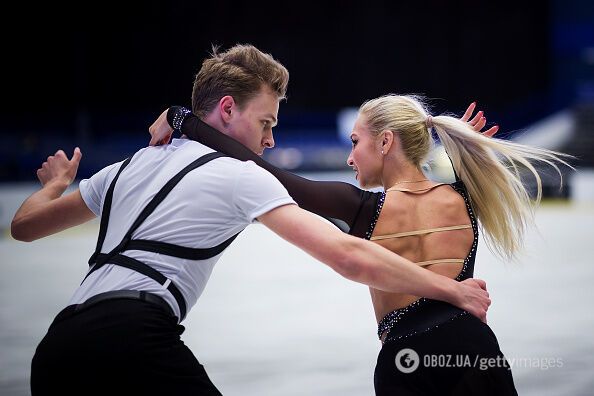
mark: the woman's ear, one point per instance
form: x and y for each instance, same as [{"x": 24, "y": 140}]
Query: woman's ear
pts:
[{"x": 387, "y": 139}]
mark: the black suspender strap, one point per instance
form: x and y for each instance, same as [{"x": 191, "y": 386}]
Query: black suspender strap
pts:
[
  {"x": 127, "y": 243},
  {"x": 179, "y": 251},
  {"x": 146, "y": 270},
  {"x": 160, "y": 196},
  {"x": 106, "y": 211}
]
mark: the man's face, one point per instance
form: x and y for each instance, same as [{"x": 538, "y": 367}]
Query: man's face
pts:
[{"x": 252, "y": 125}]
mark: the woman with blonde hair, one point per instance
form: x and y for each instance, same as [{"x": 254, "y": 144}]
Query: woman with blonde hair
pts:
[{"x": 435, "y": 225}]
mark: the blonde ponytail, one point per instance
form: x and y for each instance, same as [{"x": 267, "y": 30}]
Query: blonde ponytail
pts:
[{"x": 489, "y": 167}]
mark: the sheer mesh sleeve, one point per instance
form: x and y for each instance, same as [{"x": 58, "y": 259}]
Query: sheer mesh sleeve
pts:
[{"x": 332, "y": 200}]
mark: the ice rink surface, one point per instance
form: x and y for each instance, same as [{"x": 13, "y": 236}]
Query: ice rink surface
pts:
[{"x": 273, "y": 321}]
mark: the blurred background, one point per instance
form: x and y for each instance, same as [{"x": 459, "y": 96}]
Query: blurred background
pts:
[
  {"x": 97, "y": 75},
  {"x": 98, "y": 78}
]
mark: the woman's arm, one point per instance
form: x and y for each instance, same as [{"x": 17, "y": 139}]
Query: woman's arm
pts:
[{"x": 326, "y": 198}]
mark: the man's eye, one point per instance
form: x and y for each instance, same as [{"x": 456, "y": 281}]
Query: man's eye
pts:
[{"x": 354, "y": 142}]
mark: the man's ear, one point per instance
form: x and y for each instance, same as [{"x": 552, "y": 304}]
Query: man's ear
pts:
[
  {"x": 387, "y": 139},
  {"x": 226, "y": 108}
]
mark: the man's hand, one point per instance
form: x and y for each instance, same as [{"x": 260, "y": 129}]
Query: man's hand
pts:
[
  {"x": 474, "y": 298},
  {"x": 160, "y": 131},
  {"x": 46, "y": 211},
  {"x": 58, "y": 168},
  {"x": 478, "y": 122}
]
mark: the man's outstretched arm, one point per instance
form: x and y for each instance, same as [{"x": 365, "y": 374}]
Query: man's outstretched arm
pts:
[
  {"x": 369, "y": 263},
  {"x": 46, "y": 211}
]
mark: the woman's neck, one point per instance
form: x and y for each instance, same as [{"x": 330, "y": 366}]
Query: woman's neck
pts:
[{"x": 403, "y": 172}]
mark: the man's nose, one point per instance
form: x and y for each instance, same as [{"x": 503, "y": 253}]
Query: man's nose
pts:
[
  {"x": 350, "y": 160},
  {"x": 268, "y": 141}
]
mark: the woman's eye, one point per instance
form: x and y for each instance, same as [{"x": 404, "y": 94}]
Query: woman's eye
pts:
[{"x": 354, "y": 142}]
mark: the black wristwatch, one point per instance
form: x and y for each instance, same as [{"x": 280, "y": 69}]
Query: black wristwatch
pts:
[{"x": 176, "y": 116}]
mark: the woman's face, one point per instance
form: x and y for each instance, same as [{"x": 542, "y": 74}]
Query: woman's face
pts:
[{"x": 366, "y": 156}]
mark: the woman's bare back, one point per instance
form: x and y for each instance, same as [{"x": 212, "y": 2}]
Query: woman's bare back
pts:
[{"x": 402, "y": 227}]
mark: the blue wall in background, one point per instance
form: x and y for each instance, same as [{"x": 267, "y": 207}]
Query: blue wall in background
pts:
[{"x": 99, "y": 83}]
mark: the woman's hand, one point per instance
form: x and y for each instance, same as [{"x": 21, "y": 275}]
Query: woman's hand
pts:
[
  {"x": 478, "y": 122},
  {"x": 59, "y": 169},
  {"x": 160, "y": 131}
]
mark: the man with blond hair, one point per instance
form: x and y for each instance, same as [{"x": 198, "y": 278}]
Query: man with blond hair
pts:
[{"x": 167, "y": 214}]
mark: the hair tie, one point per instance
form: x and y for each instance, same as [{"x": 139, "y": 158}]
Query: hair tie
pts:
[{"x": 429, "y": 122}]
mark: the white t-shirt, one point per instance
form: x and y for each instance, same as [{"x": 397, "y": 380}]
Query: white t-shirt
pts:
[{"x": 208, "y": 206}]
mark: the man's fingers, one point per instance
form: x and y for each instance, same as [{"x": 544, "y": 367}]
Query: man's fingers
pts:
[
  {"x": 481, "y": 314},
  {"x": 481, "y": 283},
  {"x": 468, "y": 112},
  {"x": 76, "y": 156}
]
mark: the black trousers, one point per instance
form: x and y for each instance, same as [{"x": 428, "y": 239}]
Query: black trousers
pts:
[
  {"x": 117, "y": 347},
  {"x": 458, "y": 357}
]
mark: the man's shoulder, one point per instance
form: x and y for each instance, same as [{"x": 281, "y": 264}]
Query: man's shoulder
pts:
[
  {"x": 190, "y": 145},
  {"x": 225, "y": 166},
  {"x": 198, "y": 149},
  {"x": 253, "y": 168},
  {"x": 246, "y": 170}
]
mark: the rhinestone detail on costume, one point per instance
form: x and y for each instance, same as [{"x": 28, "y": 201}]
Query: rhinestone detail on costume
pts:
[
  {"x": 378, "y": 209},
  {"x": 178, "y": 118},
  {"x": 392, "y": 318}
]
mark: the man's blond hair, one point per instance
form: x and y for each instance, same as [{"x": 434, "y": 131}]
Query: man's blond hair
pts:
[{"x": 240, "y": 72}]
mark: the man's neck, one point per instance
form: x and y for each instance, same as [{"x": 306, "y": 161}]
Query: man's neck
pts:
[{"x": 214, "y": 121}]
